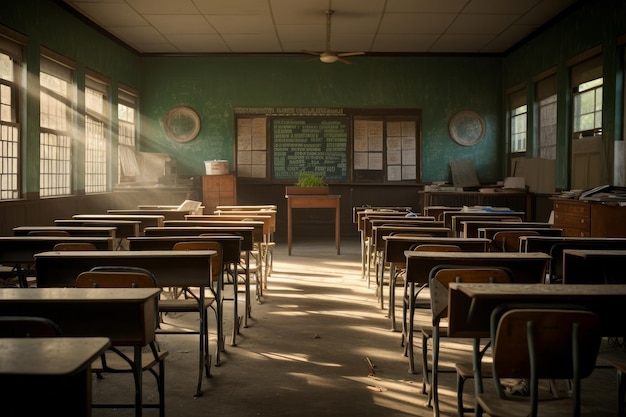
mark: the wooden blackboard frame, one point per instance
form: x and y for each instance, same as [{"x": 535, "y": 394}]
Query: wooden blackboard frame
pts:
[{"x": 381, "y": 172}]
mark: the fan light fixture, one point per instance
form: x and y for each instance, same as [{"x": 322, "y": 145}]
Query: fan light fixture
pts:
[{"x": 328, "y": 58}]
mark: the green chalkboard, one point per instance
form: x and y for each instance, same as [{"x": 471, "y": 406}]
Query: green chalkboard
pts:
[{"x": 317, "y": 144}]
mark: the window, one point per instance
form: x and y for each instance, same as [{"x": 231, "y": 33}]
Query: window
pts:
[
  {"x": 55, "y": 139},
  {"x": 588, "y": 160},
  {"x": 588, "y": 109},
  {"x": 252, "y": 147},
  {"x": 519, "y": 111},
  {"x": 127, "y": 127},
  {"x": 96, "y": 136},
  {"x": 10, "y": 57},
  {"x": 546, "y": 115}
]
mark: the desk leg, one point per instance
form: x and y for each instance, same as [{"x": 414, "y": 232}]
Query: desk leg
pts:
[
  {"x": 248, "y": 312},
  {"x": 337, "y": 228},
  {"x": 478, "y": 377},
  {"x": 289, "y": 225},
  {"x": 138, "y": 381}
]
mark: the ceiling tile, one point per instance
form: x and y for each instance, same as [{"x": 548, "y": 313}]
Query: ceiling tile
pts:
[{"x": 180, "y": 24}]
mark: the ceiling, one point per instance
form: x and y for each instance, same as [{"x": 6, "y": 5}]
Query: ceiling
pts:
[{"x": 292, "y": 26}]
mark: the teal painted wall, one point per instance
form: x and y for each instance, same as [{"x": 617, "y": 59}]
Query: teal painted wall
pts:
[
  {"x": 593, "y": 24},
  {"x": 214, "y": 86}
]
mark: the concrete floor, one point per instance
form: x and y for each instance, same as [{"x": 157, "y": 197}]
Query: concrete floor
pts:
[{"x": 307, "y": 351}]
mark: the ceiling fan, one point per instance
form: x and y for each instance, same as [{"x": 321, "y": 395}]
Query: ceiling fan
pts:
[{"x": 329, "y": 56}]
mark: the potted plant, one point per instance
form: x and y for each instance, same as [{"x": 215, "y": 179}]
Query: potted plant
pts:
[{"x": 308, "y": 183}]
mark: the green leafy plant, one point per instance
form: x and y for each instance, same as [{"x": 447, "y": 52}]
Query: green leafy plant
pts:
[{"x": 308, "y": 179}]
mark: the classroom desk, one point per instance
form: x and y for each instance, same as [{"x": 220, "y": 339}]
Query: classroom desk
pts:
[
  {"x": 489, "y": 232},
  {"x": 470, "y": 227},
  {"x": 313, "y": 201},
  {"x": 124, "y": 228},
  {"x": 394, "y": 255},
  {"x": 171, "y": 269},
  {"x": 48, "y": 376},
  {"x": 470, "y": 307},
  {"x": 524, "y": 267},
  {"x": 146, "y": 220},
  {"x": 453, "y": 219},
  {"x": 593, "y": 266},
  {"x": 20, "y": 250},
  {"x": 126, "y": 316},
  {"x": 92, "y": 231},
  {"x": 231, "y": 256},
  {"x": 168, "y": 214},
  {"x": 249, "y": 232}
]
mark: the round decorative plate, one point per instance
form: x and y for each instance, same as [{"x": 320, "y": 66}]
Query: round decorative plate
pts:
[
  {"x": 467, "y": 127},
  {"x": 181, "y": 124}
]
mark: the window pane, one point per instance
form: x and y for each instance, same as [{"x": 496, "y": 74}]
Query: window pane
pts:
[
  {"x": 55, "y": 140},
  {"x": 518, "y": 129},
  {"x": 547, "y": 127},
  {"x": 587, "y": 117},
  {"x": 96, "y": 142},
  {"x": 9, "y": 132}
]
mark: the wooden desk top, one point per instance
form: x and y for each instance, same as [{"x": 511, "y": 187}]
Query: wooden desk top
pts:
[
  {"x": 313, "y": 201},
  {"x": 526, "y": 267},
  {"x": 53, "y": 356},
  {"x": 595, "y": 253},
  {"x": 127, "y": 316},
  {"x": 112, "y": 216},
  {"x": 108, "y": 231},
  {"x": 247, "y": 232},
  {"x": 395, "y": 246},
  {"x": 170, "y": 267},
  {"x": 470, "y": 305}
]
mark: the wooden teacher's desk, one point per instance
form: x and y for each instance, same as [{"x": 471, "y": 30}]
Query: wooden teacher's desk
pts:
[
  {"x": 51, "y": 376},
  {"x": 126, "y": 316},
  {"x": 296, "y": 201}
]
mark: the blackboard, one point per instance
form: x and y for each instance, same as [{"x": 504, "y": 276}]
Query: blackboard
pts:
[{"x": 310, "y": 144}]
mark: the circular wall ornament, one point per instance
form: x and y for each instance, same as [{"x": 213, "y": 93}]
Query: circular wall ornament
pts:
[
  {"x": 181, "y": 124},
  {"x": 467, "y": 127}
]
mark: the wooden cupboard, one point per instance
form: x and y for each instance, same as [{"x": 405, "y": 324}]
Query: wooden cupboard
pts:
[
  {"x": 218, "y": 190},
  {"x": 583, "y": 218}
]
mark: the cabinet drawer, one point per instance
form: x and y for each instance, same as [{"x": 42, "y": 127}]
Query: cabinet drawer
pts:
[
  {"x": 565, "y": 220},
  {"x": 576, "y": 209}
]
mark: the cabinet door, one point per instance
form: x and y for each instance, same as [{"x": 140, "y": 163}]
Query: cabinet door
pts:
[{"x": 218, "y": 190}]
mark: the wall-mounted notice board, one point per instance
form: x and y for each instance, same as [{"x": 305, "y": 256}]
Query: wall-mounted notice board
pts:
[{"x": 313, "y": 144}]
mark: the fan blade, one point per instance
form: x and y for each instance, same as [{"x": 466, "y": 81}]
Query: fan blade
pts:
[
  {"x": 350, "y": 53},
  {"x": 344, "y": 61},
  {"x": 311, "y": 52}
]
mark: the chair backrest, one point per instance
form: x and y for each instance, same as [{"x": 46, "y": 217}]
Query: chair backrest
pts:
[
  {"x": 560, "y": 342},
  {"x": 116, "y": 277},
  {"x": 22, "y": 326},
  {"x": 74, "y": 246},
  {"x": 48, "y": 233},
  {"x": 434, "y": 247},
  {"x": 217, "y": 261},
  {"x": 509, "y": 240},
  {"x": 442, "y": 275}
]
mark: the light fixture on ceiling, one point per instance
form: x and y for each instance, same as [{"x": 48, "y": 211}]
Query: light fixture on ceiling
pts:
[{"x": 328, "y": 56}]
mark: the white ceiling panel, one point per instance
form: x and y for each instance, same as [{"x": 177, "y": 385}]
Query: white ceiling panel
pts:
[{"x": 291, "y": 26}]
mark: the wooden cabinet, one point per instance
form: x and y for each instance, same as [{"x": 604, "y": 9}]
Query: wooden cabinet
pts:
[
  {"x": 218, "y": 190},
  {"x": 583, "y": 218}
]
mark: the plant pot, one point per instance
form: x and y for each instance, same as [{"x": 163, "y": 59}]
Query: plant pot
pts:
[{"x": 293, "y": 190}]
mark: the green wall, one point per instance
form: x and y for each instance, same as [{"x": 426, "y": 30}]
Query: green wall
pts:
[
  {"x": 46, "y": 25},
  {"x": 214, "y": 86},
  {"x": 593, "y": 24}
]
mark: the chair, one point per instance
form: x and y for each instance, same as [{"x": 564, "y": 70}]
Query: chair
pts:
[
  {"x": 439, "y": 281},
  {"x": 195, "y": 301},
  {"x": 410, "y": 301},
  {"x": 23, "y": 326},
  {"x": 127, "y": 277},
  {"x": 508, "y": 240},
  {"x": 540, "y": 342},
  {"x": 74, "y": 246}
]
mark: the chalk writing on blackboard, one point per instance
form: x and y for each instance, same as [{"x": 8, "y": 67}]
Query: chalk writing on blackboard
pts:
[{"x": 310, "y": 144}]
